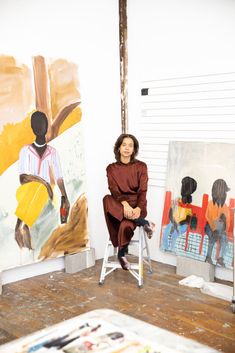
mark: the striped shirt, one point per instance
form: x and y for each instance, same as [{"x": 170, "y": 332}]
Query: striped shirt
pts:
[{"x": 47, "y": 167}]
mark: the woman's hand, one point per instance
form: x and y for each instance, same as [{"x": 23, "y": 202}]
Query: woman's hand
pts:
[
  {"x": 136, "y": 213},
  {"x": 127, "y": 210}
]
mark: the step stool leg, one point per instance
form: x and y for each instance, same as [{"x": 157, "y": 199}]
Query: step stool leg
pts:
[
  {"x": 141, "y": 265},
  {"x": 150, "y": 270},
  {"x": 105, "y": 260},
  {"x": 115, "y": 252}
]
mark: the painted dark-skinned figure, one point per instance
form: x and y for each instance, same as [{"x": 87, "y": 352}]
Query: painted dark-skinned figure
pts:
[
  {"x": 180, "y": 214},
  {"x": 218, "y": 220},
  {"x": 39, "y": 169},
  {"x": 126, "y": 207}
]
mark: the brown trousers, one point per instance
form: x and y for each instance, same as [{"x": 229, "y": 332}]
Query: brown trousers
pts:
[{"x": 121, "y": 230}]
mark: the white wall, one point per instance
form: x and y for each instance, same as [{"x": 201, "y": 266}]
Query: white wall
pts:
[
  {"x": 176, "y": 38},
  {"x": 87, "y": 32}
]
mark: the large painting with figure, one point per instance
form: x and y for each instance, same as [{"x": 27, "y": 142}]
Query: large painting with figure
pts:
[
  {"x": 198, "y": 213},
  {"x": 43, "y": 207}
]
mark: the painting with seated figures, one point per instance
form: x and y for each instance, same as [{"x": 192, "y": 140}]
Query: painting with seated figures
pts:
[
  {"x": 198, "y": 211},
  {"x": 43, "y": 206}
]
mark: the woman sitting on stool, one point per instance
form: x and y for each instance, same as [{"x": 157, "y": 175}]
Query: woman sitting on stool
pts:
[{"x": 126, "y": 207}]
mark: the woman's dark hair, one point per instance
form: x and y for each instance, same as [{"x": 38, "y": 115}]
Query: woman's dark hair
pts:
[
  {"x": 219, "y": 192},
  {"x": 188, "y": 186},
  {"x": 120, "y": 141}
]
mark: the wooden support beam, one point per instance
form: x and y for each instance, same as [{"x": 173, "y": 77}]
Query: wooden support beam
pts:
[{"x": 123, "y": 63}]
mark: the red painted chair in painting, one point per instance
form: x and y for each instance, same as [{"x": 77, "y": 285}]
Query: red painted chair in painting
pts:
[
  {"x": 166, "y": 209},
  {"x": 197, "y": 211},
  {"x": 231, "y": 226}
]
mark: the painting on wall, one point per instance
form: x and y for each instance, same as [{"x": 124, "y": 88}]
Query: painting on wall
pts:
[
  {"x": 43, "y": 206},
  {"x": 198, "y": 212}
]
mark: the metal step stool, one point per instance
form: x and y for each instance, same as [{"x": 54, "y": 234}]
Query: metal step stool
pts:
[{"x": 136, "y": 269}]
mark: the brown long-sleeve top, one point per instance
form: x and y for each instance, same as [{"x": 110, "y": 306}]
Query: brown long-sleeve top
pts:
[{"x": 128, "y": 182}]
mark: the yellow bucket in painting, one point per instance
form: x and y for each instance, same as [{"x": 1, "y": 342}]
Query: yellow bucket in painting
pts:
[{"x": 31, "y": 197}]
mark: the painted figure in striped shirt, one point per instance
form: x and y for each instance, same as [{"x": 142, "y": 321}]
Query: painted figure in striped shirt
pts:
[{"x": 39, "y": 169}]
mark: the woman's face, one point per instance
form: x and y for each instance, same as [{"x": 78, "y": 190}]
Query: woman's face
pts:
[{"x": 127, "y": 148}]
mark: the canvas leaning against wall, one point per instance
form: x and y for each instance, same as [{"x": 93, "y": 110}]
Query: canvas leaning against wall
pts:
[
  {"x": 43, "y": 206},
  {"x": 198, "y": 213}
]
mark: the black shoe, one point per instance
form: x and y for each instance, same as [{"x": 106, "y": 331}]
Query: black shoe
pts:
[
  {"x": 149, "y": 229},
  {"x": 220, "y": 262},
  {"x": 124, "y": 263},
  {"x": 208, "y": 259}
]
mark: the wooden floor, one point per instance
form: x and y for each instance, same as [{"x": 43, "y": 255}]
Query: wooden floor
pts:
[{"x": 35, "y": 303}]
